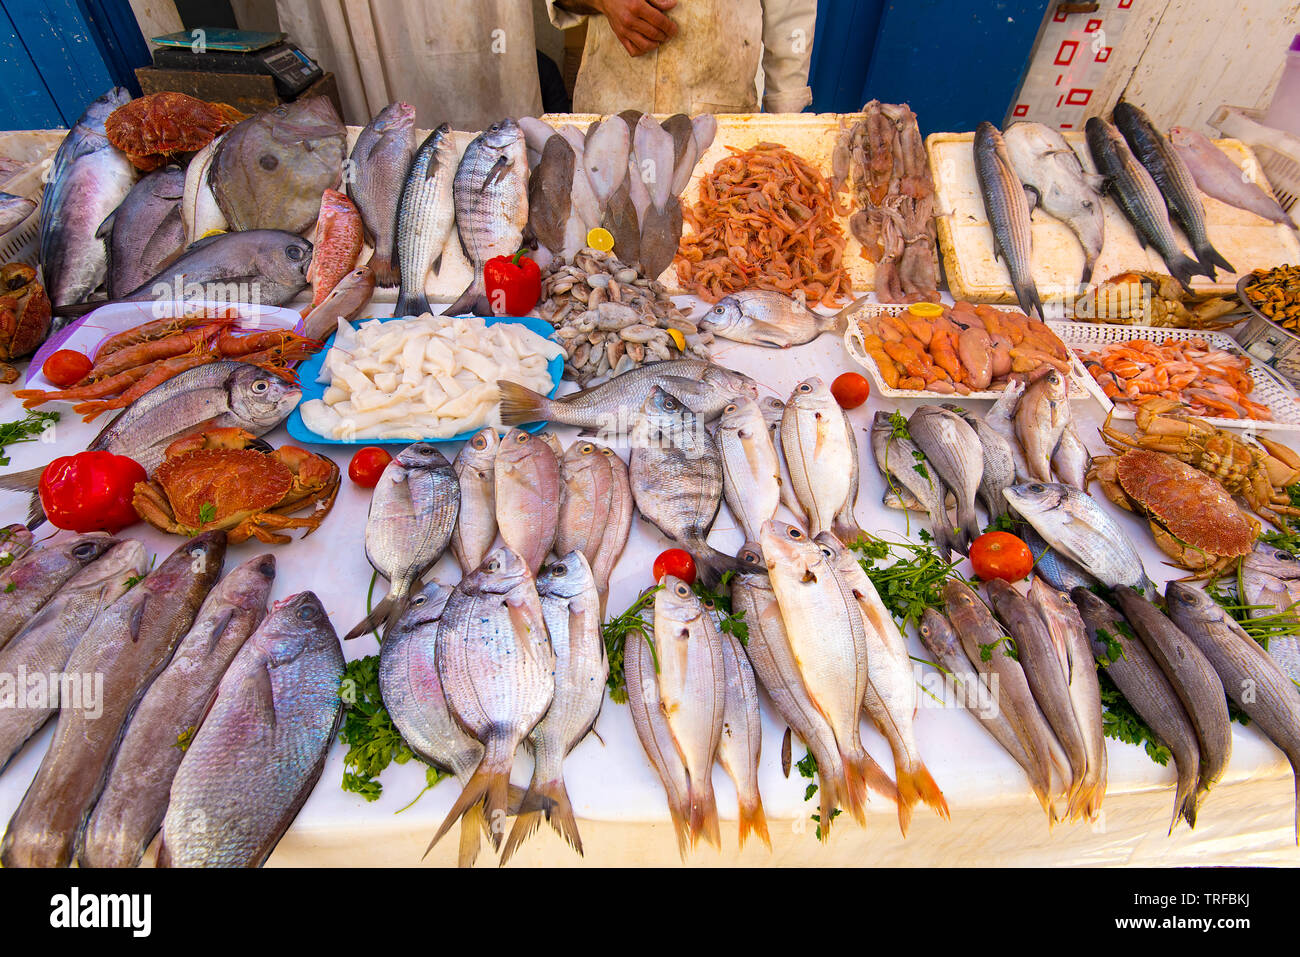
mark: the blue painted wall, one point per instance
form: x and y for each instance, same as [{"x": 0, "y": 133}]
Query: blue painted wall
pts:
[{"x": 955, "y": 63}]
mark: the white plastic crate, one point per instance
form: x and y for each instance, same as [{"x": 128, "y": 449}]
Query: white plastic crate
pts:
[
  {"x": 1270, "y": 389},
  {"x": 23, "y": 243}
]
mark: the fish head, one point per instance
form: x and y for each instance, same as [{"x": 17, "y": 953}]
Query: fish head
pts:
[
  {"x": 200, "y": 559},
  {"x": 1048, "y": 597},
  {"x": 293, "y": 627},
  {"x": 809, "y": 394},
  {"x": 518, "y": 445},
  {"x": 677, "y": 602},
  {"x": 773, "y": 409},
  {"x": 426, "y": 607},
  {"x": 788, "y": 546},
  {"x": 421, "y": 457},
  {"x": 287, "y": 258},
  {"x": 89, "y": 547},
  {"x": 959, "y": 597},
  {"x": 99, "y": 111},
  {"x": 751, "y": 557},
  {"x": 249, "y": 584},
  {"x": 1034, "y": 498},
  {"x": 1188, "y": 602},
  {"x": 501, "y": 572},
  {"x": 1271, "y": 560},
  {"x": 585, "y": 455},
  {"x": 725, "y": 316},
  {"x": 568, "y": 577},
  {"x": 936, "y": 631},
  {"x": 120, "y": 562},
  {"x": 481, "y": 449},
  {"x": 260, "y": 400},
  {"x": 730, "y": 381},
  {"x": 503, "y": 134},
  {"x": 742, "y": 414},
  {"x": 395, "y": 116},
  {"x": 303, "y": 120}
]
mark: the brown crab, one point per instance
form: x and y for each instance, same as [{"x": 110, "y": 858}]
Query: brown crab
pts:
[
  {"x": 24, "y": 316},
  {"x": 228, "y": 479},
  {"x": 152, "y": 130},
  {"x": 1193, "y": 518},
  {"x": 1259, "y": 473}
]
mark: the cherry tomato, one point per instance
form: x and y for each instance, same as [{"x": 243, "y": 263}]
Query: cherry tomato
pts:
[
  {"x": 367, "y": 465},
  {"x": 1001, "y": 555},
  {"x": 91, "y": 491},
  {"x": 850, "y": 390},
  {"x": 677, "y": 563},
  {"x": 66, "y": 368}
]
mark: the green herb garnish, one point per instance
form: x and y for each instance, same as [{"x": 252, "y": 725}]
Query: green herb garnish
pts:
[
  {"x": 185, "y": 737},
  {"x": 615, "y": 632},
  {"x": 207, "y": 512},
  {"x": 1011, "y": 651},
  {"x": 27, "y": 429},
  {"x": 730, "y": 622},
  {"x": 912, "y": 582}
]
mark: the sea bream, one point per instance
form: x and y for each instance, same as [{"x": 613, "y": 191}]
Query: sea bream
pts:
[
  {"x": 764, "y": 317},
  {"x": 1045, "y": 162},
  {"x": 88, "y": 179},
  {"x": 528, "y": 490},
  {"x": 374, "y": 176},
  {"x": 491, "y": 198},
  {"x": 751, "y": 466},
  {"x": 954, "y": 452},
  {"x": 476, "y": 524},
  {"x": 145, "y": 231},
  {"x": 821, "y": 452},
  {"x": 1008, "y": 212},
  {"x": 596, "y": 511}
]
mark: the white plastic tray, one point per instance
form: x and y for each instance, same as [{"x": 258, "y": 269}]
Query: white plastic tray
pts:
[
  {"x": 1270, "y": 389},
  {"x": 857, "y": 352}
]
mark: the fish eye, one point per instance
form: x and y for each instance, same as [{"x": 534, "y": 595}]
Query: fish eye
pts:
[
  {"x": 588, "y": 448},
  {"x": 682, "y": 590},
  {"x": 294, "y": 253},
  {"x": 558, "y": 570},
  {"x": 805, "y": 388},
  {"x": 521, "y": 438},
  {"x": 419, "y": 600},
  {"x": 493, "y": 565},
  {"x": 606, "y": 451},
  {"x": 730, "y": 409},
  {"x": 1037, "y": 487},
  {"x": 261, "y": 385},
  {"x": 479, "y": 441},
  {"x": 796, "y": 533},
  {"x": 85, "y": 550},
  {"x": 307, "y": 612},
  {"x": 719, "y": 310}
]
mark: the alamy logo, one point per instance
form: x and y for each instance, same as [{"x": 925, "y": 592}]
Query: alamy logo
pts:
[{"x": 74, "y": 910}]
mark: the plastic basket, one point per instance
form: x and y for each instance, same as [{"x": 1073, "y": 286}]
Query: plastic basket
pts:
[
  {"x": 23, "y": 243},
  {"x": 1270, "y": 389}
]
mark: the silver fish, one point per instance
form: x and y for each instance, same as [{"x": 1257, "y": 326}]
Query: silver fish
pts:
[
  {"x": 14, "y": 211},
  {"x": 200, "y": 213},
  {"x": 1008, "y": 213},
  {"x": 476, "y": 524},
  {"x": 216, "y": 395},
  {"x": 953, "y": 450},
  {"x": 1138, "y": 197},
  {"x": 88, "y": 179},
  {"x": 44, "y": 644},
  {"x": 378, "y": 166},
  {"x": 741, "y": 742},
  {"x": 498, "y": 673},
  {"x": 821, "y": 452},
  {"x": 610, "y": 407},
  {"x": 999, "y": 462},
  {"x": 1071, "y": 459},
  {"x": 144, "y": 231},
  {"x": 528, "y": 493},
  {"x": 1249, "y": 675},
  {"x": 1046, "y": 163},
  {"x": 34, "y": 579},
  {"x": 1171, "y": 174},
  {"x": 344, "y": 301},
  {"x": 898, "y": 458},
  {"x": 1076, "y": 526},
  {"x": 130, "y": 810},
  {"x": 571, "y": 609},
  {"x": 596, "y": 511},
  {"x": 412, "y": 513},
  {"x": 1001, "y": 418},
  {"x": 1145, "y": 687},
  {"x": 1218, "y": 176},
  {"x": 491, "y": 199},
  {"x": 1041, "y": 417},
  {"x": 269, "y": 264},
  {"x": 262, "y": 746},
  {"x": 1193, "y": 676},
  {"x": 1070, "y": 641},
  {"x": 1059, "y": 571},
  {"x": 890, "y": 695},
  {"x": 763, "y": 317},
  {"x": 751, "y": 467},
  {"x": 128, "y": 644},
  {"x": 675, "y": 470},
  {"x": 692, "y": 687},
  {"x": 426, "y": 214}
]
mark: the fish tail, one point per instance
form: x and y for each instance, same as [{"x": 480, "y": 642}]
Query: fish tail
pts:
[
  {"x": 854, "y": 796},
  {"x": 681, "y": 827},
  {"x": 412, "y": 303},
  {"x": 839, "y": 323},
  {"x": 490, "y": 786},
  {"x": 970, "y": 526},
  {"x": 752, "y": 818},
  {"x": 711, "y": 563},
  {"x": 470, "y": 824},
  {"x": 1210, "y": 257},
  {"x": 26, "y": 481},
  {"x": 164, "y": 858},
  {"x": 704, "y": 813},
  {"x": 1088, "y": 263},
  {"x": 1183, "y": 268},
  {"x": 385, "y": 270},
  {"x": 1295, "y": 770},
  {"x": 386, "y": 613},
  {"x": 828, "y": 790},
  {"x": 520, "y": 404},
  {"x": 845, "y": 526},
  {"x": 1185, "y": 798},
  {"x": 915, "y": 785},
  {"x": 473, "y": 301},
  {"x": 550, "y": 800},
  {"x": 1027, "y": 295}
]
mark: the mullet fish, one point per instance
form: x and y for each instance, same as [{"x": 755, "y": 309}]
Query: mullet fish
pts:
[{"x": 1008, "y": 212}]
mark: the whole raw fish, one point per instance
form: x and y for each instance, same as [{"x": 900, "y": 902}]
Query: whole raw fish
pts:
[
  {"x": 345, "y": 300},
  {"x": 741, "y": 743},
  {"x": 200, "y": 213},
  {"x": 498, "y": 673},
  {"x": 596, "y": 513},
  {"x": 1071, "y": 459},
  {"x": 88, "y": 179},
  {"x": 43, "y": 646},
  {"x": 550, "y": 192},
  {"x": 953, "y": 450},
  {"x": 491, "y": 197},
  {"x": 1008, "y": 212},
  {"x": 571, "y": 609},
  {"x": 267, "y": 265},
  {"x": 773, "y": 410},
  {"x": 1218, "y": 176},
  {"x": 999, "y": 462},
  {"x": 262, "y": 746},
  {"x": 763, "y": 317},
  {"x": 1001, "y": 418},
  {"x": 1145, "y": 687},
  {"x": 377, "y": 168},
  {"x": 1041, "y": 418},
  {"x": 37, "y": 576},
  {"x": 476, "y": 524},
  {"x": 528, "y": 489},
  {"x": 337, "y": 245},
  {"x": 412, "y": 513},
  {"x": 130, "y": 810},
  {"x": 897, "y": 458},
  {"x": 425, "y": 214},
  {"x": 751, "y": 467},
  {"x": 145, "y": 231},
  {"x": 128, "y": 645},
  {"x": 822, "y": 454},
  {"x": 1058, "y": 570}
]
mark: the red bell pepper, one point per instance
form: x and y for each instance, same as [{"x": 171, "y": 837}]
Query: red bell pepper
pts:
[
  {"x": 91, "y": 491},
  {"x": 514, "y": 284}
]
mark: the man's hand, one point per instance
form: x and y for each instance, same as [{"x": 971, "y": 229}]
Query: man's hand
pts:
[{"x": 640, "y": 25}]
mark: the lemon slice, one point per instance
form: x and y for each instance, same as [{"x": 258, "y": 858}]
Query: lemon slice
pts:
[
  {"x": 926, "y": 310},
  {"x": 600, "y": 238},
  {"x": 213, "y": 232},
  {"x": 677, "y": 338}
]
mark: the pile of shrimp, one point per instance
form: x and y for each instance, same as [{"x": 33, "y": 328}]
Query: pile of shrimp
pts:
[
  {"x": 129, "y": 364},
  {"x": 1210, "y": 382},
  {"x": 765, "y": 219}
]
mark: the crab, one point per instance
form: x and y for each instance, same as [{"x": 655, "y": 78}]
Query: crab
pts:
[
  {"x": 228, "y": 479},
  {"x": 1259, "y": 473},
  {"x": 24, "y": 316},
  {"x": 1193, "y": 518},
  {"x": 153, "y": 129}
]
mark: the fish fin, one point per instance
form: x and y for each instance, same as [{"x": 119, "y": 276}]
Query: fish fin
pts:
[
  {"x": 385, "y": 269},
  {"x": 1183, "y": 268},
  {"x": 1210, "y": 257},
  {"x": 105, "y": 228},
  {"x": 518, "y": 403},
  {"x": 164, "y": 858},
  {"x": 1088, "y": 264},
  {"x": 488, "y": 785},
  {"x": 549, "y": 799},
  {"x": 1027, "y": 297},
  {"x": 711, "y": 563},
  {"x": 1037, "y": 202},
  {"x": 839, "y": 322},
  {"x": 413, "y": 304},
  {"x": 469, "y": 300},
  {"x": 436, "y": 265},
  {"x": 525, "y": 824},
  {"x": 386, "y": 613},
  {"x": 704, "y": 812},
  {"x": 222, "y": 623},
  {"x": 470, "y": 841},
  {"x": 918, "y": 786},
  {"x": 854, "y": 796},
  {"x": 27, "y": 481},
  {"x": 753, "y": 819},
  {"x": 498, "y": 170},
  {"x": 845, "y": 526}
]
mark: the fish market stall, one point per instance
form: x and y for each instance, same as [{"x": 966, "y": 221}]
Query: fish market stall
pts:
[{"x": 241, "y": 426}]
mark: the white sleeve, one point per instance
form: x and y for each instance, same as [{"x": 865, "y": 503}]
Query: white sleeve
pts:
[
  {"x": 787, "y": 53},
  {"x": 563, "y": 19}
]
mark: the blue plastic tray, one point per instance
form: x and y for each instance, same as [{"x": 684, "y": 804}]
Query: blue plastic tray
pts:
[{"x": 311, "y": 389}]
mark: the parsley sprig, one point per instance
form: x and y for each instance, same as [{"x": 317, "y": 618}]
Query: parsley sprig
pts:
[
  {"x": 615, "y": 632},
  {"x": 27, "y": 429},
  {"x": 908, "y": 576}
]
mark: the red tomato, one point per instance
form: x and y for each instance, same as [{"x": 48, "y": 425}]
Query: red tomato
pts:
[
  {"x": 850, "y": 390},
  {"x": 91, "y": 491},
  {"x": 677, "y": 563},
  {"x": 66, "y": 368},
  {"x": 367, "y": 465},
  {"x": 1001, "y": 555}
]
